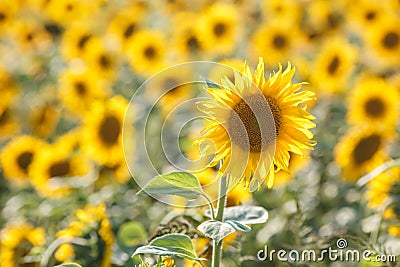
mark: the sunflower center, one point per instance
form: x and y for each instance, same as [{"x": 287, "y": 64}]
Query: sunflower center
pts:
[
  {"x": 391, "y": 40},
  {"x": 219, "y": 29},
  {"x": 109, "y": 130},
  {"x": 80, "y": 88},
  {"x": 370, "y": 15},
  {"x": 60, "y": 168},
  {"x": 244, "y": 126},
  {"x": 24, "y": 160},
  {"x": 29, "y": 37},
  {"x": 104, "y": 61},
  {"x": 83, "y": 40},
  {"x": 69, "y": 7},
  {"x": 193, "y": 43},
  {"x": 150, "y": 52},
  {"x": 375, "y": 107},
  {"x": 334, "y": 65},
  {"x": 366, "y": 148},
  {"x": 279, "y": 41},
  {"x": 129, "y": 30},
  {"x": 333, "y": 20},
  {"x": 53, "y": 29},
  {"x": 2, "y": 16},
  {"x": 4, "y": 117}
]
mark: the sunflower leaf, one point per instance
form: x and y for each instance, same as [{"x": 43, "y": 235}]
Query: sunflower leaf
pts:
[
  {"x": 219, "y": 230},
  {"x": 170, "y": 245},
  {"x": 212, "y": 84},
  {"x": 244, "y": 214},
  {"x": 176, "y": 183}
]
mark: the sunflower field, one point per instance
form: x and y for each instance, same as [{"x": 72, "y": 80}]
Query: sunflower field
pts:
[{"x": 199, "y": 133}]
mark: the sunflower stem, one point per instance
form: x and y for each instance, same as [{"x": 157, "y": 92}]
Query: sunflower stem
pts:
[{"x": 222, "y": 192}]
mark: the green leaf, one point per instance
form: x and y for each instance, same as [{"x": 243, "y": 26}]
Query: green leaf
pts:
[
  {"x": 69, "y": 265},
  {"x": 131, "y": 234},
  {"x": 244, "y": 214},
  {"x": 176, "y": 183},
  {"x": 211, "y": 84},
  {"x": 170, "y": 245},
  {"x": 219, "y": 230}
]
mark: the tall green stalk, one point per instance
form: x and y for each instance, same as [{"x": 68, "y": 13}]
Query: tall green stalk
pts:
[{"x": 222, "y": 192}]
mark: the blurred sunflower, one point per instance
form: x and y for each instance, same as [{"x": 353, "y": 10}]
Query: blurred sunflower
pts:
[
  {"x": 8, "y": 10},
  {"x": 91, "y": 222},
  {"x": 361, "y": 150},
  {"x": 220, "y": 26},
  {"x": 273, "y": 41},
  {"x": 103, "y": 131},
  {"x": 282, "y": 10},
  {"x": 30, "y": 36},
  {"x": 101, "y": 60},
  {"x": 53, "y": 167},
  {"x": 382, "y": 187},
  {"x": 367, "y": 104},
  {"x": 384, "y": 39},
  {"x": 187, "y": 36},
  {"x": 67, "y": 12},
  {"x": 17, "y": 155},
  {"x": 326, "y": 17},
  {"x": 333, "y": 66},
  {"x": 232, "y": 108},
  {"x": 126, "y": 23},
  {"x": 78, "y": 88},
  {"x": 146, "y": 52},
  {"x": 8, "y": 122},
  {"x": 18, "y": 242},
  {"x": 44, "y": 119},
  {"x": 75, "y": 41},
  {"x": 367, "y": 13}
]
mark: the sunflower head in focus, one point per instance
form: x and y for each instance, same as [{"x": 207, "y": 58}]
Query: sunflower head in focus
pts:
[
  {"x": 254, "y": 123},
  {"x": 375, "y": 102},
  {"x": 17, "y": 243}
]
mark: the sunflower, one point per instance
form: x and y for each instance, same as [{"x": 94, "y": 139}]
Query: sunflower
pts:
[
  {"x": 282, "y": 10},
  {"x": 90, "y": 221},
  {"x": 125, "y": 24},
  {"x": 53, "y": 166},
  {"x": 8, "y": 123},
  {"x": 17, "y": 155},
  {"x": 101, "y": 60},
  {"x": 368, "y": 13},
  {"x": 67, "y": 12},
  {"x": 44, "y": 119},
  {"x": 187, "y": 36},
  {"x": 361, "y": 150},
  {"x": 75, "y": 41},
  {"x": 384, "y": 39},
  {"x": 146, "y": 52},
  {"x": 220, "y": 26},
  {"x": 103, "y": 131},
  {"x": 233, "y": 107},
  {"x": 273, "y": 41},
  {"x": 367, "y": 104},
  {"x": 8, "y": 10},
  {"x": 382, "y": 187},
  {"x": 18, "y": 241},
  {"x": 333, "y": 66},
  {"x": 78, "y": 88}
]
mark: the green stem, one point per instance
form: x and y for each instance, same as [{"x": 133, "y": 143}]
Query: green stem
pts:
[{"x": 222, "y": 192}]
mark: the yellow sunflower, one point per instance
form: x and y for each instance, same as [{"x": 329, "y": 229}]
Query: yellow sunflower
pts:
[
  {"x": 91, "y": 220},
  {"x": 367, "y": 13},
  {"x": 125, "y": 24},
  {"x": 44, "y": 119},
  {"x": 283, "y": 10},
  {"x": 17, "y": 155},
  {"x": 220, "y": 26},
  {"x": 8, "y": 10},
  {"x": 274, "y": 41},
  {"x": 374, "y": 101},
  {"x": 361, "y": 150},
  {"x": 8, "y": 122},
  {"x": 245, "y": 145},
  {"x": 333, "y": 66},
  {"x": 384, "y": 39},
  {"x": 18, "y": 241},
  {"x": 146, "y": 52},
  {"x": 103, "y": 131},
  {"x": 78, "y": 88},
  {"x": 52, "y": 167},
  {"x": 187, "y": 36},
  {"x": 382, "y": 187},
  {"x": 75, "y": 41}
]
